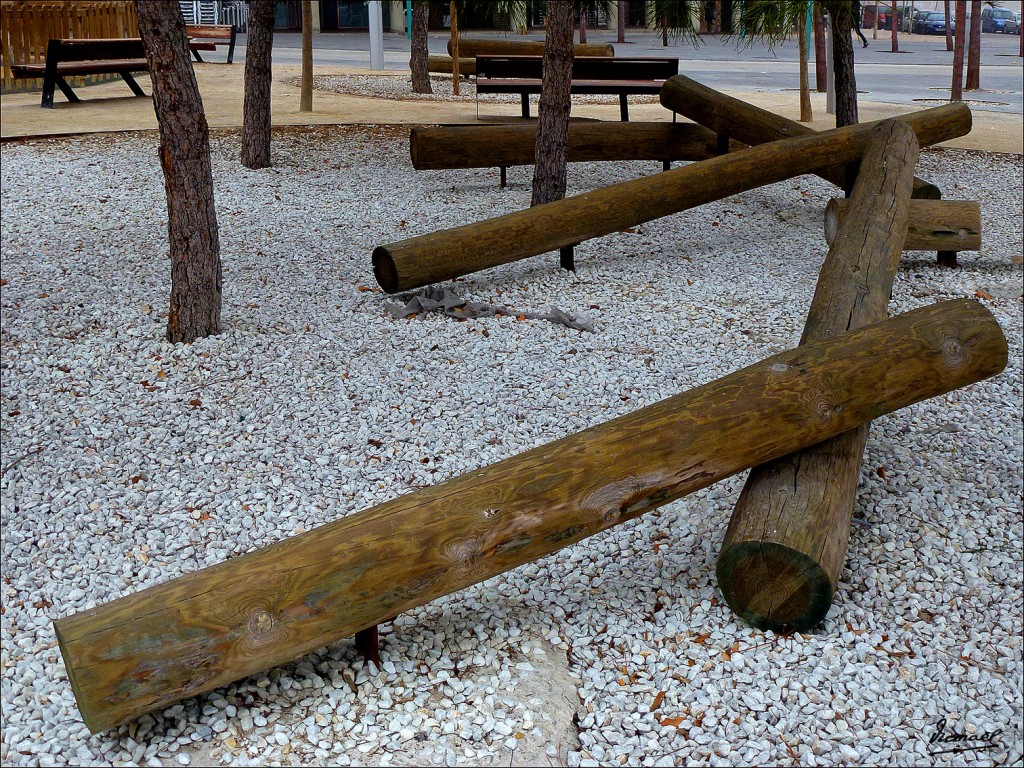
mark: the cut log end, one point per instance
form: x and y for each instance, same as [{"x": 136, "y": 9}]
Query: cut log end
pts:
[
  {"x": 384, "y": 269},
  {"x": 771, "y": 586}
]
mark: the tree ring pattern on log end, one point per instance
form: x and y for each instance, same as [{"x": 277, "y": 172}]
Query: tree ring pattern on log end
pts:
[{"x": 771, "y": 586}]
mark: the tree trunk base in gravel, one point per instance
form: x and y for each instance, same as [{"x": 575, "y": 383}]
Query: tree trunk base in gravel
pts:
[{"x": 256, "y": 114}]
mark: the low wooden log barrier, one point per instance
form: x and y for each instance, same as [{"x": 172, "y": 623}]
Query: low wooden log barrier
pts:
[
  {"x": 197, "y": 632},
  {"x": 752, "y": 125},
  {"x": 470, "y": 47},
  {"x": 786, "y": 543},
  {"x": 445, "y": 65},
  {"x": 488, "y": 146},
  {"x": 451, "y": 253},
  {"x": 934, "y": 225}
]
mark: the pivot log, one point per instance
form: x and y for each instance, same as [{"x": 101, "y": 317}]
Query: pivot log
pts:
[
  {"x": 451, "y": 253},
  {"x": 786, "y": 542},
  {"x": 934, "y": 225},
  {"x": 197, "y": 632}
]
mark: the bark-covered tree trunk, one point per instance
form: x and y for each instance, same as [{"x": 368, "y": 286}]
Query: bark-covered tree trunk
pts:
[
  {"x": 805, "y": 86},
  {"x": 620, "y": 21},
  {"x": 549, "y": 174},
  {"x": 956, "y": 91},
  {"x": 974, "y": 49},
  {"x": 418, "y": 47},
  {"x": 583, "y": 26},
  {"x": 846, "y": 80},
  {"x": 256, "y": 107},
  {"x": 454, "y": 15},
  {"x": 949, "y": 32},
  {"x": 820, "y": 62},
  {"x": 306, "y": 83},
  {"x": 188, "y": 177},
  {"x": 892, "y": 29}
]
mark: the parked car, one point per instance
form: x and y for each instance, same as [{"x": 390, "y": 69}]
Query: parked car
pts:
[
  {"x": 994, "y": 19},
  {"x": 868, "y": 16},
  {"x": 1012, "y": 25},
  {"x": 933, "y": 23},
  {"x": 909, "y": 21}
]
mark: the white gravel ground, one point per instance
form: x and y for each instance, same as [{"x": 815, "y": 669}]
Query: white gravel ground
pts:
[{"x": 128, "y": 461}]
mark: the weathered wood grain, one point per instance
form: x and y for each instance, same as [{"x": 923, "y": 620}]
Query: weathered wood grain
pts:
[
  {"x": 194, "y": 633},
  {"x": 753, "y": 125},
  {"x": 934, "y": 225},
  {"x": 786, "y": 543},
  {"x": 451, "y": 253},
  {"x": 488, "y": 146}
]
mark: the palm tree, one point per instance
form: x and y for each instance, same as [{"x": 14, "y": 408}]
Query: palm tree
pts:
[{"x": 772, "y": 20}]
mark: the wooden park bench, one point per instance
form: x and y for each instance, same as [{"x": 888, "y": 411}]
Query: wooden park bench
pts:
[
  {"x": 208, "y": 37},
  {"x": 68, "y": 58},
  {"x": 620, "y": 76}
]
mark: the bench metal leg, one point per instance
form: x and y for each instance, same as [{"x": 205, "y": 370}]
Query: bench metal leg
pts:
[
  {"x": 198, "y": 57},
  {"x": 946, "y": 258},
  {"x": 623, "y": 108},
  {"x": 231, "y": 45},
  {"x": 60, "y": 82},
  {"x": 526, "y": 104},
  {"x": 504, "y": 176},
  {"x": 567, "y": 257},
  {"x": 132, "y": 83},
  {"x": 666, "y": 165},
  {"x": 722, "y": 144}
]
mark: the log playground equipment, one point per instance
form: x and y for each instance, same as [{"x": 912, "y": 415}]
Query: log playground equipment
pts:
[{"x": 799, "y": 418}]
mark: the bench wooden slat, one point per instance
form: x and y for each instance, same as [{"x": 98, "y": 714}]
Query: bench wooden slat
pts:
[
  {"x": 70, "y": 68},
  {"x": 206, "y": 37}
]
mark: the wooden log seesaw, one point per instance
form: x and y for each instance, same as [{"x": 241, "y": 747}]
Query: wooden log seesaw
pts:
[
  {"x": 451, "y": 253},
  {"x": 194, "y": 633}
]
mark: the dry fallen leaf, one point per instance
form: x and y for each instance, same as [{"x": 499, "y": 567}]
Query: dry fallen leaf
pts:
[
  {"x": 980, "y": 294},
  {"x": 671, "y": 721},
  {"x": 657, "y": 700}
]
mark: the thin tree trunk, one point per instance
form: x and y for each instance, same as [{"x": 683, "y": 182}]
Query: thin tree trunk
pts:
[
  {"x": 874, "y": 31},
  {"x": 974, "y": 49},
  {"x": 892, "y": 26},
  {"x": 418, "y": 47},
  {"x": 188, "y": 178},
  {"x": 620, "y": 21},
  {"x": 549, "y": 175},
  {"x": 306, "y": 86},
  {"x": 583, "y": 26},
  {"x": 664, "y": 31},
  {"x": 949, "y": 32},
  {"x": 256, "y": 107},
  {"x": 805, "y": 87},
  {"x": 956, "y": 91},
  {"x": 846, "y": 81},
  {"x": 454, "y": 15},
  {"x": 820, "y": 57}
]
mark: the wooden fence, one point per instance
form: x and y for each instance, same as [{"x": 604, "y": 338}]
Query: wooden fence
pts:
[{"x": 27, "y": 25}]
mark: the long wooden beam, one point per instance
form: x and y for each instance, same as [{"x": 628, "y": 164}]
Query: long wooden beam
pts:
[
  {"x": 786, "y": 543},
  {"x": 470, "y": 47},
  {"x": 488, "y": 146},
  {"x": 451, "y": 253},
  {"x": 752, "y": 125},
  {"x": 934, "y": 225},
  {"x": 203, "y": 630}
]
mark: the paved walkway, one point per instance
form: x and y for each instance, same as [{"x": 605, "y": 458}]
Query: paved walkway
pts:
[{"x": 110, "y": 107}]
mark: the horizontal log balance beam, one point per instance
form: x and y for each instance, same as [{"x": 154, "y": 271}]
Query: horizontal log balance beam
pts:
[
  {"x": 786, "y": 543},
  {"x": 205, "y": 629},
  {"x": 489, "y": 146},
  {"x": 934, "y": 225},
  {"x": 752, "y": 125},
  {"x": 451, "y": 253},
  {"x": 472, "y": 47}
]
